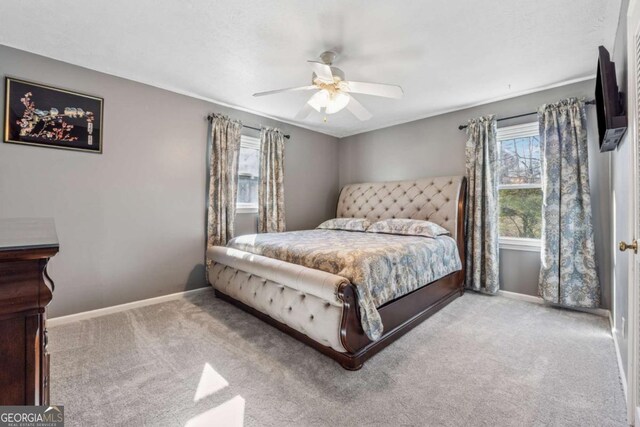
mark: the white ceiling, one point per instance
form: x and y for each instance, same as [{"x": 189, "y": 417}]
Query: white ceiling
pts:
[{"x": 446, "y": 54}]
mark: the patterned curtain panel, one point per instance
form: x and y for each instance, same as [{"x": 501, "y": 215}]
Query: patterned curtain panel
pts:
[
  {"x": 223, "y": 179},
  {"x": 568, "y": 275},
  {"x": 482, "y": 257},
  {"x": 271, "y": 189}
]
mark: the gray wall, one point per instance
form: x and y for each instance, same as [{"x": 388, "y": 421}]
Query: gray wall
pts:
[
  {"x": 131, "y": 221},
  {"x": 621, "y": 171},
  {"x": 435, "y": 146}
]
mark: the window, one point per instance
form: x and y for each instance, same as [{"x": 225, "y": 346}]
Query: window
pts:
[
  {"x": 248, "y": 175},
  {"x": 520, "y": 187}
]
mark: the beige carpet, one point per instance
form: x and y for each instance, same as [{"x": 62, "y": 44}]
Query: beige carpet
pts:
[{"x": 481, "y": 361}]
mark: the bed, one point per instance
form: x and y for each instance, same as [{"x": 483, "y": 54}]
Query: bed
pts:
[{"x": 316, "y": 285}]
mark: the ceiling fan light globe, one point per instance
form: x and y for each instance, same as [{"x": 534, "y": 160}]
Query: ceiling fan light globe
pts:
[
  {"x": 319, "y": 100},
  {"x": 338, "y": 102}
]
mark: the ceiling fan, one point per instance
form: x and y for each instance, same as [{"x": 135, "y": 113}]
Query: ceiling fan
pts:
[{"x": 333, "y": 92}]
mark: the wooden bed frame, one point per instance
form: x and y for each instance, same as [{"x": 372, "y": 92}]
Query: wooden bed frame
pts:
[{"x": 398, "y": 316}]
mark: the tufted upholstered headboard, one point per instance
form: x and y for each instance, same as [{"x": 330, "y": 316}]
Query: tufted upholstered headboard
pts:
[{"x": 434, "y": 199}]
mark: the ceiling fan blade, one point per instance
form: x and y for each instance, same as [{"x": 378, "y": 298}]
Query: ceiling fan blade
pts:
[
  {"x": 323, "y": 71},
  {"x": 358, "y": 110},
  {"x": 304, "y": 111},
  {"x": 375, "y": 89},
  {"x": 290, "y": 89}
]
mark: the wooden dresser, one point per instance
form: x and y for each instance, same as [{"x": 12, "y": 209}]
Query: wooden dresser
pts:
[{"x": 25, "y": 290}]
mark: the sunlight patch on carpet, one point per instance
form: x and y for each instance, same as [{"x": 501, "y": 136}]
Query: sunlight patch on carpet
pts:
[
  {"x": 210, "y": 382},
  {"x": 229, "y": 414}
]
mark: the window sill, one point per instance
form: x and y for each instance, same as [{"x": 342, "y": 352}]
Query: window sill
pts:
[
  {"x": 518, "y": 244},
  {"x": 246, "y": 210}
]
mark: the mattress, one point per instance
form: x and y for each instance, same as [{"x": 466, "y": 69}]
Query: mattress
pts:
[{"x": 382, "y": 267}]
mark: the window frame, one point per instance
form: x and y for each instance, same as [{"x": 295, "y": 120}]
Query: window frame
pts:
[
  {"x": 252, "y": 143},
  {"x": 511, "y": 132}
]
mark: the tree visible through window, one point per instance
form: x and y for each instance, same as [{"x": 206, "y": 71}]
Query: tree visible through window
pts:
[
  {"x": 248, "y": 173},
  {"x": 519, "y": 182}
]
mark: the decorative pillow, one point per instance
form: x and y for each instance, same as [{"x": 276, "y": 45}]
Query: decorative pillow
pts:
[
  {"x": 407, "y": 227},
  {"x": 349, "y": 224}
]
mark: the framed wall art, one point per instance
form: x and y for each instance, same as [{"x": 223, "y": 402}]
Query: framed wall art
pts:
[{"x": 45, "y": 116}]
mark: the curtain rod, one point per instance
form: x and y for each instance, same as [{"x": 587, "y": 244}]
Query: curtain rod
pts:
[
  {"x": 248, "y": 127},
  {"x": 590, "y": 102}
]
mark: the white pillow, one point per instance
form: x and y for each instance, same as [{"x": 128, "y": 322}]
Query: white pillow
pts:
[
  {"x": 349, "y": 224},
  {"x": 407, "y": 227}
]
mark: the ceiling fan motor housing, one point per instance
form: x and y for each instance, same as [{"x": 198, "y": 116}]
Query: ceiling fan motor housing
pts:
[{"x": 337, "y": 72}]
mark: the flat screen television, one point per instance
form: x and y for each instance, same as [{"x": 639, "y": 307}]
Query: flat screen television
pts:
[{"x": 612, "y": 119}]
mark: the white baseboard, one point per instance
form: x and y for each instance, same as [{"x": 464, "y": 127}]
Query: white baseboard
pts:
[
  {"x": 520, "y": 297},
  {"x": 63, "y": 320},
  {"x": 623, "y": 378},
  {"x": 537, "y": 300}
]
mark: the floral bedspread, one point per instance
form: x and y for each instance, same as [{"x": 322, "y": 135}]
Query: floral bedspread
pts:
[{"x": 382, "y": 267}]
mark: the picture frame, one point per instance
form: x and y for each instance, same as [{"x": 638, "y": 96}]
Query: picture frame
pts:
[{"x": 46, "y": 116}]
